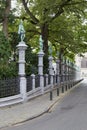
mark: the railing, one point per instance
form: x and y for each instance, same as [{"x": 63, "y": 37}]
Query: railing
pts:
[
  {"x": 45, "y": 80},
  {"x": 37, "y": 81},
  {"x": 9, "y": 87},
  {"x": 29, "y": 83},
  {"x": 49, "y": 78},
  {"x": 64, "y": 87}
]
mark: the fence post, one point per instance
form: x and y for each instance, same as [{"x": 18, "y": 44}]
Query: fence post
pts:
[
  {"x": 66, "y": 74},
  {"x": 40, "y": 70},
  {"x": 69, "y": 74},
  {"x": 33, "y": 82},
  {"x": 55, "y": 79},
  {"x": 62, "y": 75},
  {"x": 40, "y": 64},
  {"x": 57, "y": 74},
  {"x": 51, "y": 70},
  {"x": 51, "y": 75},
  {"x": 57, "y": 70},
  {"x": 46, "y": 79},
  {"x": 21, "y": 49}
]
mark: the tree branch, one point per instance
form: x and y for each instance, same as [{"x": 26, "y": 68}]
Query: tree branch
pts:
[
  {"x": 77, "y": 3},
  {"x": 35, "y": 20},
  {"x": 34, "y": 31},
  {"x": 60, "y": 9}
]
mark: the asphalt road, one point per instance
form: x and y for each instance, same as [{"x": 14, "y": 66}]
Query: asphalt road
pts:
[{"x": 69, "y": 114}]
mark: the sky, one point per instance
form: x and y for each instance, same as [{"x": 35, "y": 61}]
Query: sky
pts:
[{"x": 13, "y": 3}]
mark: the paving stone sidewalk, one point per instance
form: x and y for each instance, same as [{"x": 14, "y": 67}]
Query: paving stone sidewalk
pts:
[{"x": 19, "y": 113}]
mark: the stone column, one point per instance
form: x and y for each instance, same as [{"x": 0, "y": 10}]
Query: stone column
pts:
[
  {"x": 46, "y": 79},
  {"x": 33, "y": 82},
  {"x": 40, "y": 69},
  {"x": 57, "y": 70},
  {"x": 63, "y": 64},
  {"x": 51, "y": 70},
  {"x": 21, "y": 49},
  {"x": 67, "y": 73}
]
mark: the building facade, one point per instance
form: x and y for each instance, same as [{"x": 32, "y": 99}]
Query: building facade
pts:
[{"x": 82, "y": 63}]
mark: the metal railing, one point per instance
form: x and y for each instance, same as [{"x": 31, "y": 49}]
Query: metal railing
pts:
[
  {"x": 9, "y": 87},
  {"x": 37, "y": 81},
  {"x": 29, "y": 83}
]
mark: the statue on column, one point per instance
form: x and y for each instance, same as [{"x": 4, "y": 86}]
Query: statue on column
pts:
[
  {"x": 41, "y": 43},
  {"x": 21, "y": 31}
]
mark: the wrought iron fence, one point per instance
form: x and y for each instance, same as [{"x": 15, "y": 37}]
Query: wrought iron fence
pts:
[
  {"x": 29, "y": 83},
  {"x": 49, "y": 78},
  {"x": 44, "y": 80},
  {"x": 54, "y": 79},
  {"x": 9, "y": 87},
  {"x": 37, "y": 81}
]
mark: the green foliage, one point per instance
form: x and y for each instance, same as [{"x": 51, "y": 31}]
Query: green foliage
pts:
[
  {"x": 2, "y": 7},
  {"x": 8, "y": 70},
  {"x": 31, "y": 61},
  {"x": 66, "y": 30},
  {"x": 64, "y": 19},
  {"x": 5, "y": 48},
  {"x": 68, "y": 33}
]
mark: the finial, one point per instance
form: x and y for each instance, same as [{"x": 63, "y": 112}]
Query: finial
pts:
[
  {"x": 21, "y": 31},
  {"x": 41, "y": 43}
]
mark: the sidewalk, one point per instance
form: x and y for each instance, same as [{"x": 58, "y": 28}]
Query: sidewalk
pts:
[{"x": 19, "y": 113}]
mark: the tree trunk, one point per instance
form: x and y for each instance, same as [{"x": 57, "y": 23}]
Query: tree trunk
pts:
[
  {"x": 5, "y": 19},
  {"x": 45, "y": 33}
]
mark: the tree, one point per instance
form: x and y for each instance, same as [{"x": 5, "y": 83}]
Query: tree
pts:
[
  {"x": 58, "y": 21},
  {"x": 7, "y": 69},
  {"x": 5, "y": 11},
  {"x": 42, "y": 13}
]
